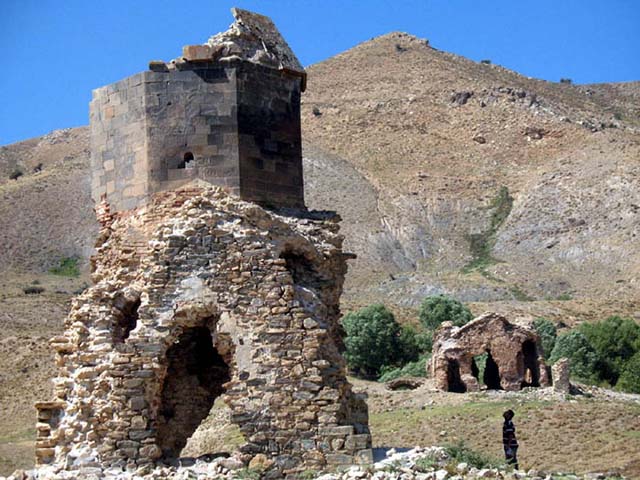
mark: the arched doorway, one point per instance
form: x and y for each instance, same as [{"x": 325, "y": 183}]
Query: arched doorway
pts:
[
  {"x": 491, "y": 376},
  {"x": 453, "y": 377},
  {"x": 530, "y": 360},
  {"x": 196, "y": 374}
]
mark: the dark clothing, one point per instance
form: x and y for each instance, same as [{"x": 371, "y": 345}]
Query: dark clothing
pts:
[
  {"x": 509, "y": 434},
  {"x": 510, "y": 443}
]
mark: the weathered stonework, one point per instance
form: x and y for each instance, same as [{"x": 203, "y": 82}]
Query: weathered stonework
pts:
[
  {"x": 561, "y": 373},
  {"x": 513, "y": 352},
  {"x": 227, "y": 112},
  {"x": 198, "y": 295}
]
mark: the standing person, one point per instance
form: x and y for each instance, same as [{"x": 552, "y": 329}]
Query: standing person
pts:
[{"x": 509, "y": 441}]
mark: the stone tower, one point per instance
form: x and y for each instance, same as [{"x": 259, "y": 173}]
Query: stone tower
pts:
[
  {"x": 226, "y": 112},
  {"x": 199, "y": 294}
]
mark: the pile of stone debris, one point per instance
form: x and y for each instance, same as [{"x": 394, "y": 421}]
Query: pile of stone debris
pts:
[{"x": 431, "y": 463}]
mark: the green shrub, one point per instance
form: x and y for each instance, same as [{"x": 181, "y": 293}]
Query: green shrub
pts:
[
  {"x": 481, "y": 363},
  {"x": 485, "y": 62},
  {"x": 413, "y": 343},
  {"x": 460, "y": 453},
  {"x": 16, "y": 174},
  {"x": 372, "y": 340},
  {"x": 583, "y": 357},
  {"x": 440, "y": 308},
  {"x": 566, "y": 80},
  {"x": 548, "y": 334},
  {"x": 615, "y": 340},
  {"x": 411, "y": 369},
  {"x": 629, "y": 380},
  {"x": 68, "y": 267}
]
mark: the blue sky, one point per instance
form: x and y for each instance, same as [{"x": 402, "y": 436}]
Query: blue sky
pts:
[{"x": 54, "y": 53}]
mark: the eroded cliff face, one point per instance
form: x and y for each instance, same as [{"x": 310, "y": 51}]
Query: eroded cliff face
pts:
[{"x": 198, "y": 296}]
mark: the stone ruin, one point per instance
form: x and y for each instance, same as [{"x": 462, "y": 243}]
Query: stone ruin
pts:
[
  {"x": 512, "y": 356},
  {"x": 199, "y": 294}
]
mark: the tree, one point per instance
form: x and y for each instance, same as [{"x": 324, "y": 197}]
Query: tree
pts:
[
  {"x": 615, "y": 340},
  {"x": 372, "y": 339},
  {"x": 629, "y": 380},
  {"x": 548, "y": 334},
  {"x": 581, "y": 354},
  {"x": 413, "y": 343},
  {"x": 440, "y": 308}
]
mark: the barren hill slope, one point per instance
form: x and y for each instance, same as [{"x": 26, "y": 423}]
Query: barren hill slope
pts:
[{"x": 492, "y": 185}]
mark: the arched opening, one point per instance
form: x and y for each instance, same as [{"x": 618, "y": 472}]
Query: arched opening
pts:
[
  {"x": 302, "y": 270},
  {"x": 530, "y": 358},
  {"x": 491, "y": 376},
  {"x": 478, "y": 365},
  {"x": 125, "y": 317},
  {"x": 188, "y": 161},
  {"x": 453, "y": 377},
  {"x": 196, "y": 374}
]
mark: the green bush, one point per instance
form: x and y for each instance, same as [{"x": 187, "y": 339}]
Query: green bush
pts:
[
  {"x": 548, "y": 334},
  {"x": 581, "y": 354},
  {"x": 440, "y": 308},
  {"x": 411, "y": 369},
  {"x": 460, "y": 453},
  {"x": 615, "y": 340},
  {"x": 413, "y": 343},
  {"x": 372, "y": 340},
  {"x": 68, "y": 267},
  {"x": 629, "y": 380}
]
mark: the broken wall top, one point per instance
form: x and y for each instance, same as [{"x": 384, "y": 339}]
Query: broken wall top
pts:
[{"x": 252, "y": 37}]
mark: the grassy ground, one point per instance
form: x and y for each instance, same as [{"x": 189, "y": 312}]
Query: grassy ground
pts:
[{"x": 583, "y": 435}]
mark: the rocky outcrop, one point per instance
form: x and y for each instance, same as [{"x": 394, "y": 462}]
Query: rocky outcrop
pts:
[
  {"x": 200, "y": 295},
  {"x": 489, "y": 350}
]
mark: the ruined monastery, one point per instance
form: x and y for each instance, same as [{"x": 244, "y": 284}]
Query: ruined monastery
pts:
[{"x": 211, "y": 278}]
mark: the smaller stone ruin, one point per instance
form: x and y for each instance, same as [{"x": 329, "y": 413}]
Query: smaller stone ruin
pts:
[{"x": 510, "y": 353}]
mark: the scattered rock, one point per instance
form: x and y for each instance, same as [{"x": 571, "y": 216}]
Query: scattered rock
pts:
[
  {"x": 405, "y": 383},
  {"x": 461, "y": 98}
]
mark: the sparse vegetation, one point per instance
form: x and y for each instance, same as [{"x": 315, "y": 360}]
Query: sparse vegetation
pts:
[
  {"x": 459, "y": 453},
  {"x": 481, "y": 244},
  {"x": 485, "y": 62},
  {"x": 68, "y": 267},
  {"x": 548, "y": 334},
  {"x": 566, "y": 80}
]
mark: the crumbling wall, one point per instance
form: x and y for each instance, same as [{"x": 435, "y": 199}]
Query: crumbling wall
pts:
[
  {"x": 200, "y": 295},
  {"x": 512, "y": 354}
]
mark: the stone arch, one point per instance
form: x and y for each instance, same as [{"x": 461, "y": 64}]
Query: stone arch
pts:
[{"x": 196, "y": 374}]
